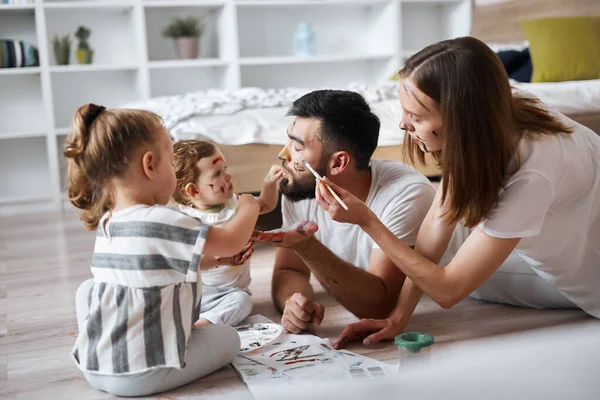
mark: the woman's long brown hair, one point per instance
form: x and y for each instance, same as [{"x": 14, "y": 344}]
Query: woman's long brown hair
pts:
[
  {"x": 483, "y": 122},
  {"x": 100, "y": 148}
]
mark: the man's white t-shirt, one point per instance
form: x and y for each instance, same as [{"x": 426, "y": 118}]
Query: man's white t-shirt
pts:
[
  {"x": 552, "y": 202},
  {"x": 399, "y": 195}
]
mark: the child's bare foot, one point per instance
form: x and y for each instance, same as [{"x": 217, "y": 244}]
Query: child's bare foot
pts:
[{"x": 202, "y": 323}]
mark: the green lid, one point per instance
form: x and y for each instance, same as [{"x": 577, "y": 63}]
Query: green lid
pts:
[{"x": 413, "y": 341}]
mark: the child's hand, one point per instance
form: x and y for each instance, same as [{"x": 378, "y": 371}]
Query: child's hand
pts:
[
  {"x": 274, "y": 175},
  {"x": 239, "y": 258}
]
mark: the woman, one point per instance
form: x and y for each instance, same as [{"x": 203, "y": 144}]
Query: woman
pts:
[{"x": 516, "y": 218}]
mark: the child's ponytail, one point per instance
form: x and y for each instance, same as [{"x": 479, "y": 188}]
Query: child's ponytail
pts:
[{"x": 99, "y": 148}]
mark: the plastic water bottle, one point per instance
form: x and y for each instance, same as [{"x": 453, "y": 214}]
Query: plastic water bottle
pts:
[{"x": 304, "y": 40}]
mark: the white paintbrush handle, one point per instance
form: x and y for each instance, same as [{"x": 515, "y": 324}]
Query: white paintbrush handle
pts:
[{"x": 335, "y": 196}]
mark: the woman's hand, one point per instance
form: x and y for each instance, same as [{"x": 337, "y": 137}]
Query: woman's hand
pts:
[
  {"x": 358, "y": 213},
  {"x": 370, "y": 331}
]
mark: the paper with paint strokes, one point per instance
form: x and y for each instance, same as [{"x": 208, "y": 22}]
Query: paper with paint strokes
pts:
[
  {"x": 256, "y": 335},
  {"x": 294, "y": 359}
]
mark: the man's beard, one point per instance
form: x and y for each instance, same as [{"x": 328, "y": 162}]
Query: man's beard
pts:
[{"x": 302, "y": 187}]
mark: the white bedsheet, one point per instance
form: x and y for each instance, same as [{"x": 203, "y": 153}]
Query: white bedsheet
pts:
[
  {"x": 571, "y": 97},
  {"x": 269, "y": 126},
  {"x": 253, "y": 115}
]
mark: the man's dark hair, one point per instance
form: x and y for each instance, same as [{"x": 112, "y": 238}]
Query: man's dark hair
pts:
[{"x": 347, "y": 122}]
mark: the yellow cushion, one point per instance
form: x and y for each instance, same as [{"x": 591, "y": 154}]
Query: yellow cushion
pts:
[{"x": 564, "y": 48}]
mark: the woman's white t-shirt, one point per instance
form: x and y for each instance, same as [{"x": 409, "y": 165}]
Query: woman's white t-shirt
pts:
[{"x": 552, "y": 202}]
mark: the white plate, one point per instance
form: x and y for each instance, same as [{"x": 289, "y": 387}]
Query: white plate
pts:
[{"x": 255, "y": 336}]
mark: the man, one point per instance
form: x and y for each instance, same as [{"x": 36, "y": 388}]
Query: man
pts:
[{"x": 336, "y": 133}]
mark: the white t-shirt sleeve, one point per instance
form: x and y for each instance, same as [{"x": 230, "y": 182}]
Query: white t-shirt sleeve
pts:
[
  {"x": 290, "y": 212},
  {"x": 405, "y": 213},
  {"x": 521, "y": 208}
]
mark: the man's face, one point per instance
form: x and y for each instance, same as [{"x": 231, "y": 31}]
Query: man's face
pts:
[{"x": 304, "y": 144}]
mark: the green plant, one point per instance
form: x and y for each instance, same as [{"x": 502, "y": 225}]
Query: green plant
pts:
[
  {"x": 61, "y": 46},
  {"x": 184, "y": 27},
  {"x": 83, "y": 34}
]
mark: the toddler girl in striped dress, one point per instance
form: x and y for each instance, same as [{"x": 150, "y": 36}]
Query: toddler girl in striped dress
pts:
[{"x": 136, "y": 315}]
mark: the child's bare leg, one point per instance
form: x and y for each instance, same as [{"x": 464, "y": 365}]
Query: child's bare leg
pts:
[{"x": 201, "y": 323}]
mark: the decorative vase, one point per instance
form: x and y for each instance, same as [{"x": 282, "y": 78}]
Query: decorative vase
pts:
[
  {"x": 84, "y": 56},
  {"x": 187, "y": 47},
  {"x": 62, "y": 52},
  {"x": 62, "y": 57}
]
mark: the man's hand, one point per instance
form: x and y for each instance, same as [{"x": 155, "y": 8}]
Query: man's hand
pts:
[
  {"x": 299, "y": 312},
  {"x": 370, "y": 331},
  {"x": 239, "y": 258},
  {"x": 295, "y": 237}
]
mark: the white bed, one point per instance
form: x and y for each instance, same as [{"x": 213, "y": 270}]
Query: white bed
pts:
[{"x": 250, "y": 125}]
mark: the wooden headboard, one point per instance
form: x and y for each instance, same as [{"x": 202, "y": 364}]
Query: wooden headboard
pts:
[{"x": 497, "y": 21}]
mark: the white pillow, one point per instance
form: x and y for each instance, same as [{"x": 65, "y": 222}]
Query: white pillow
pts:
[{"x": 496, "y": 47}]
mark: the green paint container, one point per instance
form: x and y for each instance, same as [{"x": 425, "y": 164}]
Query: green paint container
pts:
[{"x": 413, "y": 348}]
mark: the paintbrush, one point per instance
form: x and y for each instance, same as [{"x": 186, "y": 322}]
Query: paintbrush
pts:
[{"x": 334, "y": 194}]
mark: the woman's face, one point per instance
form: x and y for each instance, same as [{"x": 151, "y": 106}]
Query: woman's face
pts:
[{"x": 421, "y": 118}]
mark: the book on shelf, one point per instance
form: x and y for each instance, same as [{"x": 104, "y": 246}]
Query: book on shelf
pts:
[{"x": 17, "y": 2}]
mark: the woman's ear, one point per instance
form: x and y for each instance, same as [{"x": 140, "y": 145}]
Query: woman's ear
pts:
[
  {"x": 149, "y": 164},
  {"x": 338, "y": 162},
  {"x": 191, "y": 191}
]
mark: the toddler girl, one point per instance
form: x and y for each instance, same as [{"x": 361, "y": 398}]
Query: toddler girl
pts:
[
  {"x": 136, "y": 316},
  {"x": 204, "y": 190}
]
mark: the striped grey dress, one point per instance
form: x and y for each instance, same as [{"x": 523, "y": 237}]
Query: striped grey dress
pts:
[{"x": 146, "y": 293}]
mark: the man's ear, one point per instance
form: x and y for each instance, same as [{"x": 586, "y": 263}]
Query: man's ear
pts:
[
  {"x": 191, "y": 191},
  {"x": 338, "y": 162},
  {"x": 149, "y": 162}
]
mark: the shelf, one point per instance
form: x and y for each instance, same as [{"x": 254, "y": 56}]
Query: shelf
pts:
[
  {"x": 23, "y": 199},
  {"x": 167, "y": 82},
  {"x": 74, "y": 5},
  {"x": 17, "y": 22},
  {"x": 22, "y": 109},
  {"x": 310, "y": 60},
  {"x": 113, "y": 35},
  {"x": 184, "y": 3},
  {"x": 110, "y": 88},
  {"x": 25, "y": 176},
  {"x": 211, "y": 44},
  {"x": 20, "y": 135},
  {"x": 245, "y": 43},
  {"x": 313, "y": 75},
  {"x": 17, "y": 7},
  {"x": 63, "y": 131},
  {"x": 200, "y": 62},
  {"x": 90, "y": 68},
  {"x": 20, "y": 71}
]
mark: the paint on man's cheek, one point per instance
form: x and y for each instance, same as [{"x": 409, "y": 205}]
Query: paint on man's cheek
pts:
[{"x": 298, "y": 167}]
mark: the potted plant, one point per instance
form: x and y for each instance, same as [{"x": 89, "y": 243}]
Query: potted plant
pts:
[
  {"x": 186, "y": 33},
  {"x": 61, "y": 47},
  {"x": 84, "y": 53}
]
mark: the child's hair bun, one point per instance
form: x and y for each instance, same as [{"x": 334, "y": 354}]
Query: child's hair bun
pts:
[{"x": 82, "y": 121}]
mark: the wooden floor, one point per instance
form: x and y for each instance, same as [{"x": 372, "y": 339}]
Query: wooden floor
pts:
[{"x": 44, "y": 258}]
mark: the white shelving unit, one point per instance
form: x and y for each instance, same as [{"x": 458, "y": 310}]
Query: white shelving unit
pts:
[{"x": 246, "y": 43}]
